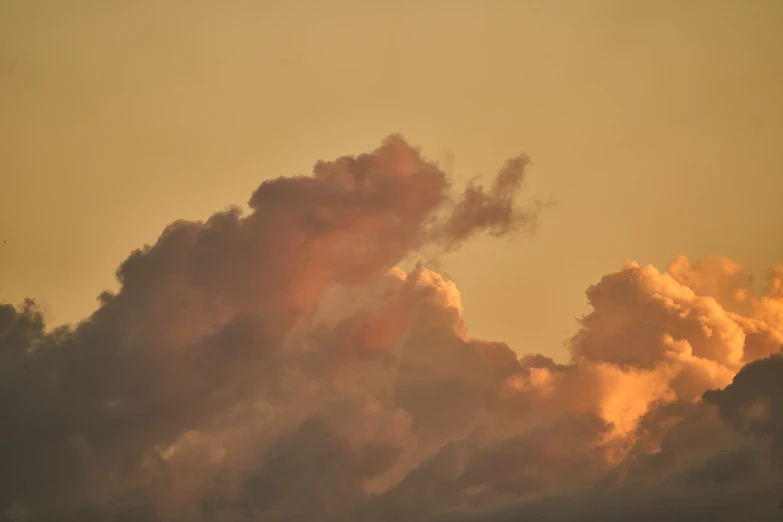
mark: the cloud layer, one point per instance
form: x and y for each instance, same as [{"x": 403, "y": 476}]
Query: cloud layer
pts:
[{"x": 279, "y": 366}]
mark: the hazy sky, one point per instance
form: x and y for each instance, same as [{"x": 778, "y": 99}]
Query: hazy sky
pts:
[{"x": 655, "y": 124}]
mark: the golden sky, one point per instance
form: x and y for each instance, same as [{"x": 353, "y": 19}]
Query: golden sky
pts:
[{"x": 656, "y": 125}]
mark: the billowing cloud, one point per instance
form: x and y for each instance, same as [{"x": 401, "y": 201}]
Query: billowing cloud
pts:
[
  {"x": 754, "y": 402},
  {"x": 279, "y": 365}
]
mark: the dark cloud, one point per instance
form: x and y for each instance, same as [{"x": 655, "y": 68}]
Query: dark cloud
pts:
[
  {"x": 496, "y": 210},
  {"x": 754, "y": 402}
]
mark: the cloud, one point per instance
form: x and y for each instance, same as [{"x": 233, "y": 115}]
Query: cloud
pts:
[
  {"x": 496, "y": 210},
  {"x": 221, "y": 321},
  {"x": 754, "y": 402},
  {"x": 279, "y": 365}
]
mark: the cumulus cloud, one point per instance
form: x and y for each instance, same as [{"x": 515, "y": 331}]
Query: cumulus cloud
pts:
[
  {"x": 279, "y": 365},
  {"x": 754, "y": 402}
]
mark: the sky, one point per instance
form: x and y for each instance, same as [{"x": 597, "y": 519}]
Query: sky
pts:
[
  {"x": 464, "y": 229},
  {"x": 654, "y": 125}
]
